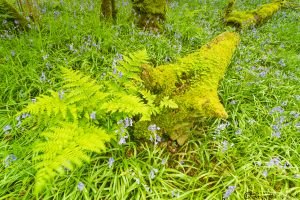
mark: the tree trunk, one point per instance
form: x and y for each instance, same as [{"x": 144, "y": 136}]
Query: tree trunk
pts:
[
  {"x": 150, "y": 13},
  {"x": 108, "y": 9},
  {"x": 192, "y": 82}
]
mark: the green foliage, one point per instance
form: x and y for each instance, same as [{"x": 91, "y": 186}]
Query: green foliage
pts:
[
  {"x": 10, "y": 14},
  {"x": 72, "y": 120}
]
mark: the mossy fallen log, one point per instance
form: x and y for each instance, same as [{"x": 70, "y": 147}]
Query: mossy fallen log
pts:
[
  {"x": 254, "y": 17},
  {"x": 193, "y": 83},
  {"x": 10, "y": 17}
]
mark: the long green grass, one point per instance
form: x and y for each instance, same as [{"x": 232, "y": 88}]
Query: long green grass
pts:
[{"x": 256, "y": 150}]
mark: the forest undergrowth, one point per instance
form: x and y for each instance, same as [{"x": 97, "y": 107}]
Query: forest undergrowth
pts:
[{"x": 253, "y": 154}]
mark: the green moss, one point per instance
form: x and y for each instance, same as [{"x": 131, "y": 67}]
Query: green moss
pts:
[
  {"x": 253, "y": 17},
  {"x": 150, "y": 12},
  {"x": 193, "y": 83}
]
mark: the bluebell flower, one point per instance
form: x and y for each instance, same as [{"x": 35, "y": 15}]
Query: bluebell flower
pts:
[
  {"x": 284, "y": 103},
  {"x": 277, "y": 109},
  {"x": 120, "y": 74},
  {"x": 296, "y": 176},
  {"x": 10, "y": 158},
  {"x": 265, "y": 173},
  {"x": 137, "y": 181},
  {"x": 127, "y": 122},
  {"x": 16, "y": 22},
  {"x": 233, "y": 102},
  {"x": 163, "y": 161},
  {"x": 45, "y": 57},
  {"x": 13, "y": 53},
  {"x": 175, "y": 194},
  {"x": 274, "y": 162},
  {"x": 263, "y": 74},
  {"x": 153, "y": 128},
  {"x": 147, "y": 188},
  {"x": 238, "y": 132},
  {"x": 7, "y": 128},
  {"x": 43, "y": 77},
  {"x": 297, "y": 97},
  {"x": 276, "y": 134},
  {"x": 225, "y": 145},
  {"x": 294, "y": 114},
  {"x": 153, "y": 172},
  {"x": 61, "y": 94},
  {"x": 93, "y": 115},
  {"x": 111, "y": 162},
  {"x": 80, "y": 186},
  {"x": 258, "y": 163},
  {"x": 281, "y": 63},
  {"x": 229, "y": 191},
  {"x": 33, "y": 100},
  {"x": 123, "y": 140}
]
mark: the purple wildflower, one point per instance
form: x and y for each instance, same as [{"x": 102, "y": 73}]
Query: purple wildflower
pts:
[
  {"x": 61, "y": 94},
  {"x": 111, "y": 162},
  {"x": 225, "y": 145},
  {"x": 274, "y": 161},
  {"x": 296, "y": 176},
  {"x": 7, "y": 128},
  {"x": 153, "y": 172},
  {"x": 281, "y": 63},
  {"x": 93, "y": 115},
  {"x": 238, "y": 132},
  {"x": 123, "y": 140},
  {"x": 43, "y": 77},
  {"x": 265, "y": 173},
  {"x": 153, "y": 128},
  {"x": 13, "y": 53},
  {"x": 80, "y": 186},
  {"x": 229, "y": 191},
  {"x": 10, "y": 158},
  {"x": 277, "y": 109}
]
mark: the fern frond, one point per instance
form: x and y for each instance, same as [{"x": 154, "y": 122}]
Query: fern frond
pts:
[
  {"x": 167, "y": 103},
  {"x": 66, "y": 147},
  {"x": 49, "y": 105}
]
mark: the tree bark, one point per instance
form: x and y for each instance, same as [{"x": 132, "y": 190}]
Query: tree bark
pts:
[
  {"x": 192, "y": 82},
  {"x": 108, "y": 10},
  {"x": 150, "y": 13}
]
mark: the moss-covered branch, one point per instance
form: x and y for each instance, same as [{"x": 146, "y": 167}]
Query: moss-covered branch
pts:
[
  {"x": 251, "y": 17},
  {"x": 193, "y": 83}
]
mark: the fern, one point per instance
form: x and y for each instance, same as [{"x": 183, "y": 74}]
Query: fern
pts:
[{"x": 67, "y": 132}]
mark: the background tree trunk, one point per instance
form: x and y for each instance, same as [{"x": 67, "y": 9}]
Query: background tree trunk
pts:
[
  {"x": 150, "y": 13},
  {"x": 108, "y": 9}
]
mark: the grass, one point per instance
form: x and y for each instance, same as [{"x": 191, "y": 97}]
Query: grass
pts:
[{"x": 260, "y": 92}]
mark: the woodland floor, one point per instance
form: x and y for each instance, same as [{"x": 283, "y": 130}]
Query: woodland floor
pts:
[{"x": 255, "y": 153}]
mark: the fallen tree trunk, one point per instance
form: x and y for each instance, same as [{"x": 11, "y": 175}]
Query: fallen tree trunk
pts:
[
  {"x": 192, "y": 82},
  {"x": 244, "y": 19}
]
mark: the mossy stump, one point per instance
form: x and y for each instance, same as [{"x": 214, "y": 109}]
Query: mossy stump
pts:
[
  {"x": 150, "y": 13},
  {"x": 192, "y": 82},
  {"x": 244, "y": 19}
]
